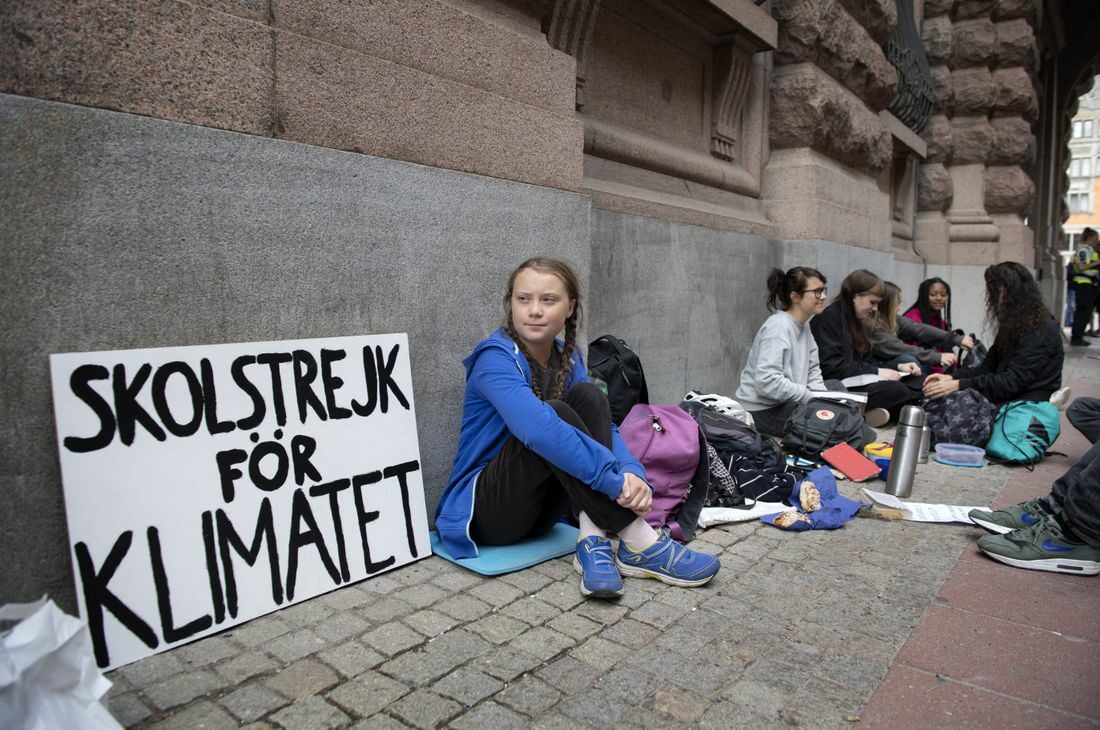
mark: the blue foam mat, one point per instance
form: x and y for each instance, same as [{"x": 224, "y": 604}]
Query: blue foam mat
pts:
[{"x": 500, "y": 559}]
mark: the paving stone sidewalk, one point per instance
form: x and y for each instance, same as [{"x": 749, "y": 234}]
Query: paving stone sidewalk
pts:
[{"x": 796, "y": 629}]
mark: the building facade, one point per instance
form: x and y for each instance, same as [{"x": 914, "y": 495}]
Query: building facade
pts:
[{"x": 181, "y": 173}]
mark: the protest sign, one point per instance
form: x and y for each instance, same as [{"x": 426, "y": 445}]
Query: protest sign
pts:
[{"x": 205, "y": 486}]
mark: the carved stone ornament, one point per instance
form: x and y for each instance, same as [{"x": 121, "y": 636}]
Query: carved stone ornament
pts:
[
  {"x": 568, "y": 28},
  {"x": 732, "y": 77}
]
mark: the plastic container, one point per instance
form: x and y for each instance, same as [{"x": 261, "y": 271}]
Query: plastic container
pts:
[
  {"x": 883, "y": 465},
  {"x": 960, "y": 455},
  {"x": 879, "y": 449}
]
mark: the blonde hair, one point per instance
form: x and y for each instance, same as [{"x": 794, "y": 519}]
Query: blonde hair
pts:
[{"x": 888, "y": 307}]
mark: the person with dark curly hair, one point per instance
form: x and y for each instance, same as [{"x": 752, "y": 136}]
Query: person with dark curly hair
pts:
[{"x": 1025, "y": 360}]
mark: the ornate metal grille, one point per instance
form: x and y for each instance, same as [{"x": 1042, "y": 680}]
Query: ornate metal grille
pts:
[{"x": 913, "y": 103}]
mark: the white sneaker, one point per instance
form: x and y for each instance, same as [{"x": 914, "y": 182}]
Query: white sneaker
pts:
[
  {"x": 876, "y": 417},
  {"x": 1061, "y": 398}
]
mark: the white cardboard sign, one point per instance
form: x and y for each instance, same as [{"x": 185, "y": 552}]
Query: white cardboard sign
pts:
[{"x": 205, "y": 486}]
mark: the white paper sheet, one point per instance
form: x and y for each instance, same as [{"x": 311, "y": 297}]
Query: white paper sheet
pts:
[
  {"x": 720, "y": 515},
  {"x": 921, "y": 512}
]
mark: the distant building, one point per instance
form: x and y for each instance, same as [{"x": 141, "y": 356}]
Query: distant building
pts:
[{"x": 1083, "y": 195}]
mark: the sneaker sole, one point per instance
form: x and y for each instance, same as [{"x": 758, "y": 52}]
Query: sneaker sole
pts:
[
  {"x": 634, "y": 572},
  {"x": 598, "y": 593},
  {"x": 1052, "y": 565},
  {"x": 992, "y": 526}
]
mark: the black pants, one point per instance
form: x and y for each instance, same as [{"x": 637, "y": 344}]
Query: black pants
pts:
[
  {"x": 1076, "y": 495},
  {"x": 1082, "y": 316},
  {"x": 892, "y": 394},
  {"x": 1084, "y": 414},
  {"x": 520, "y": 494}
]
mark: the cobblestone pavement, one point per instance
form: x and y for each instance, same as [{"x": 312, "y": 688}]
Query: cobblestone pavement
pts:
[{"x": 796, "y": 629}]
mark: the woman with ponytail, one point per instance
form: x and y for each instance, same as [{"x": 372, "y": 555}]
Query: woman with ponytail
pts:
[
  {"x": 782, "y": 369},
  {"x": 537, "y": 442}
]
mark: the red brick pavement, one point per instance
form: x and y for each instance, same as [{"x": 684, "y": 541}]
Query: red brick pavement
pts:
[{"x": 999, "y": 646}]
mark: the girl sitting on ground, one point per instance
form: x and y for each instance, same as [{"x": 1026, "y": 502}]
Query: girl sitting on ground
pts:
[
  {"x": 1025, "y": 360},
  {"x": 891, "y": 337},
  {"x": 933, "y": 308},
  {"x": 782, "y": 369},
  {"x": 537, "y": 442},
  {"x": 845, "y": 348}
]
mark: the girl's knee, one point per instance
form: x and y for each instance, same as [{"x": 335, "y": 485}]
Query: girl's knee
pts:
[{"x": 588, "y": 398}]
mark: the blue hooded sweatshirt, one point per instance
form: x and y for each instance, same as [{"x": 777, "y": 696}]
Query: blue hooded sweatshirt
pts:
[{"x": 499, "y": 402}]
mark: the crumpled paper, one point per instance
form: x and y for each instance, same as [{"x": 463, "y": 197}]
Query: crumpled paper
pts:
[{"x": 48, "y": 675}]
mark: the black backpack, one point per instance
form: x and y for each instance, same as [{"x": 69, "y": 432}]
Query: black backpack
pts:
[
  {"x": 975, "y": 356},
  {"x": 820, "y": 423},
  {"x": 735, "y": 442},
  {"x": 611, "y": 361}
]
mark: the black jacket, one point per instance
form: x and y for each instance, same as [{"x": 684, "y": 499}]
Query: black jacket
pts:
[
  {"x": 1032, "y": 370},
  {"x": 839, "y": 359}
]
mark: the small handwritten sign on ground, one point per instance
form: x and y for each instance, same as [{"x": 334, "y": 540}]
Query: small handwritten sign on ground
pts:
[{"x": 205, "y": 486}]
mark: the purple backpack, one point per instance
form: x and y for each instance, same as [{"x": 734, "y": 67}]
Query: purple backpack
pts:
[{"x": 672, "y": 448}]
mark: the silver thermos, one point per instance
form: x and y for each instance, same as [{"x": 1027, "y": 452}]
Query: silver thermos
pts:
[
  {"x": 907, "y": 441},
  {"x": 925, "y": 444}
]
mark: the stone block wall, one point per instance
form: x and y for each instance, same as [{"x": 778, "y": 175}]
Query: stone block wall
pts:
[
  {"x": 459, "y": 85},
  {"x": 975, "y": 186},
  {"x": 831, "y": 81}
]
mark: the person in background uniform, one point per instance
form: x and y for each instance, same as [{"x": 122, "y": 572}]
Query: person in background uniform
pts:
[{"x": 1086, "y": 278}]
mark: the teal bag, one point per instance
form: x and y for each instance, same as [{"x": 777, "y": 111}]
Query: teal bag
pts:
[{"x": 1023, "y": 430}]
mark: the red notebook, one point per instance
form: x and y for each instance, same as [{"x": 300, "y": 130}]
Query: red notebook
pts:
[{"x": 850, "y": 462}]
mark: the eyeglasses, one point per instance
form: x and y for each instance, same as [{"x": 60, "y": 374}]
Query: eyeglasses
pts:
[{"x": 819, "y": 292}]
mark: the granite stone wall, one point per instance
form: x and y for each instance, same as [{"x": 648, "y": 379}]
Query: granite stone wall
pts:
[{"x": 447, "y": 84}]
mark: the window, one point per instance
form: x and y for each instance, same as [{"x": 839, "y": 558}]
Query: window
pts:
[
  {"x": 1077, "y": 129},
  {"x": 1079, "y": 203},
  {"x": 1088, "y": 128},
  {"x": 1075, "y": 168},
  {"x": 1086, "y": 164}
]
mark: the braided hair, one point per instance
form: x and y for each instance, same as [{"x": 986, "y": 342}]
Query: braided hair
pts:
[{"x": 568, "y": 277}]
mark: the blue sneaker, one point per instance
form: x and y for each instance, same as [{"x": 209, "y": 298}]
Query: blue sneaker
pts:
[
  {"x": 667, "y": 561},
  {"x": 599, "y": 576}
]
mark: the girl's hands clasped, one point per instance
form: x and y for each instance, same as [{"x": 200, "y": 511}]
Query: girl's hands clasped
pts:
[
  {"x": 939, "y": 385},
  {"x": 635, "y": 495}
]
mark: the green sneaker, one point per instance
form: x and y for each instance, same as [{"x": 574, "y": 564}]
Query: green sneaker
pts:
[
  {"x": 1011, "y": 518},
  {"x": 1042, "y": 547}
]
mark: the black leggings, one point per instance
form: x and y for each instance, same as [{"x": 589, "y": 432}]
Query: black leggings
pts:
[
  {"x": 892, "y": 394},
  {"x": 520, "y": 494}
]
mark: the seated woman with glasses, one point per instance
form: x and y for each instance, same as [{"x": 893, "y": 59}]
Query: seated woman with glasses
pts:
[{"x": 782, "y": 369}]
